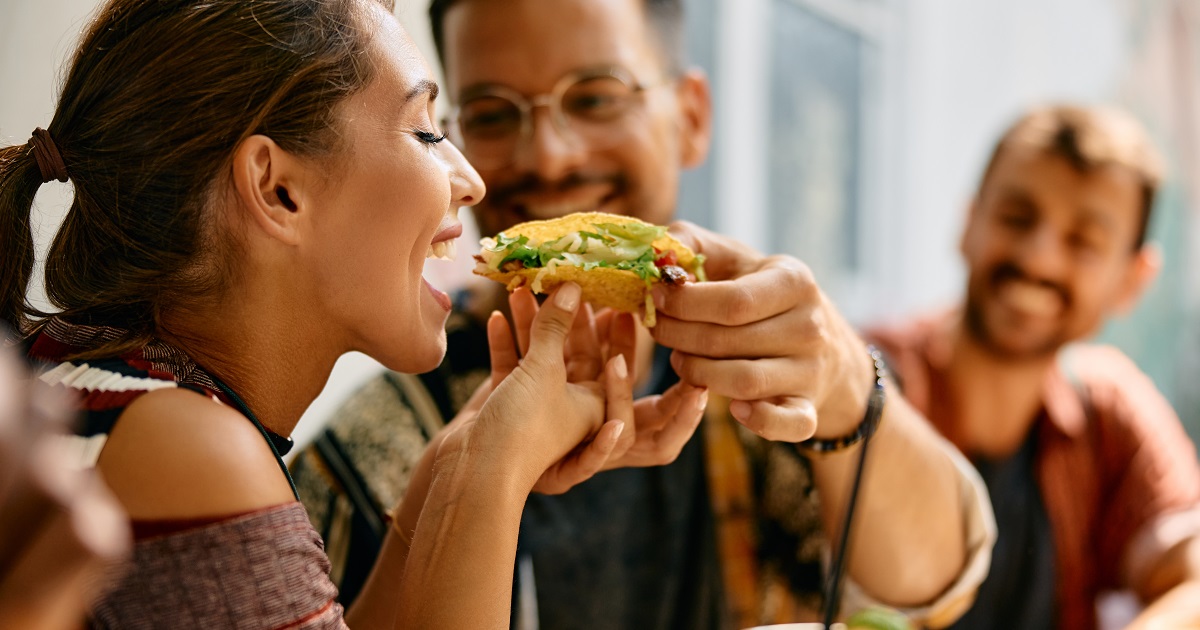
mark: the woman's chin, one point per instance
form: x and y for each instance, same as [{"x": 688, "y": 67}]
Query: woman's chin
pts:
[{"x": 415, "y": 356}]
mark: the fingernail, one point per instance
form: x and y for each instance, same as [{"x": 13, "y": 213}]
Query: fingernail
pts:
[
  {"x": 618, "y": 431},
  {"x": 620, "y": 368},
  {"x": 567, "y": 297},
  {"x": 703, "y": 402},
  {"x": 659, "y": 295},
  {"x": 740, "y": 409}
]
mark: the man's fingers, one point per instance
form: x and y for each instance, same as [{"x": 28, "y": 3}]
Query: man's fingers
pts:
[
  {"x": 502, "y": 348},
  {"x": 786, "y": 419},
  {"x": 524, "y": 308},
  {"x": 751, "y": 298},
  {"x": 584, "y": 358},
  {"x": 725, "y": 257},
  {"x": 745, "y": 379},
  {"x": 550, "y": 327},
  {"x": 783, "y": 335}
]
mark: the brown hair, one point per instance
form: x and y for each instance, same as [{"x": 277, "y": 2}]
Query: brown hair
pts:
[
  {"x": 1089, "y": 138},
  {"x": 158, "y": 96}
]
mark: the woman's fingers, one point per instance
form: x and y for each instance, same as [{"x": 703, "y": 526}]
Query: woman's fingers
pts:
[
  {"x": 622, "y": 340},
  {"x": 524, "y": 309},
  {"x": 588, "y": 460},
  {"x": 618, "y": 392},
  {"x": 502, "y": 348},
  {"x": 550, "y": 327},
  {"x": 670, "y": 440},
  {"x": 585, "y": 359}
]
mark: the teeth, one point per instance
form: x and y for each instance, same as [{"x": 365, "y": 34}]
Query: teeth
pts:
[
  {"x": 444, "y": 250},
  {"x": 1031, "y": 298}
]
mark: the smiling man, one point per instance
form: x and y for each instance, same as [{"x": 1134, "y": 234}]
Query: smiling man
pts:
[
  {"x": 1094, "y": 482},
  {"x": 585, "y": 105}
]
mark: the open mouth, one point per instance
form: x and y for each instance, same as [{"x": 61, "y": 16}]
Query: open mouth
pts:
[
  {"x": 1030, "y": 298},
  {"x": 444, "y": 244},
  {"x": 444, "y": 250}
]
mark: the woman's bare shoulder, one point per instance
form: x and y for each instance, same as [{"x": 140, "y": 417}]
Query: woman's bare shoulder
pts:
[{"x": 175, "y": 454}]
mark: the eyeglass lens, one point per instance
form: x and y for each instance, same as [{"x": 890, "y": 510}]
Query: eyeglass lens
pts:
[{"x": 493, "y": 124}]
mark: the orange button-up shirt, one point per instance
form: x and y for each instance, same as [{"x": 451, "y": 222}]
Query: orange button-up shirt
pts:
[{"x": 1112, "y": 457}]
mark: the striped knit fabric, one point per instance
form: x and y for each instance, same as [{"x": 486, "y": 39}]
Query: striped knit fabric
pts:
[{"x": 265, "y": 570}]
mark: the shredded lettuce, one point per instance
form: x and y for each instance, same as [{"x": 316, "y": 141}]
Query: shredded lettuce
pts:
[{"x": 629, "y": 247}]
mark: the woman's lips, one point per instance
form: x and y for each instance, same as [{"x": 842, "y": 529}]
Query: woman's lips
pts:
[
  {"x": 441, "y": 297},
  {"x": 447, "y": 233}
]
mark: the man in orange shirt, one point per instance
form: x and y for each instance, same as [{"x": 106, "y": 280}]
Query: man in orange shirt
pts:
[{"x": 1094, "y": 482}]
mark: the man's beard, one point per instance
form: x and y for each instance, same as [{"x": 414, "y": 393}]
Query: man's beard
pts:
[{"x": 977, "y": 326}]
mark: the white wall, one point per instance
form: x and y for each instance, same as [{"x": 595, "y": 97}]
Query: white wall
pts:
[{"x": 970, "y": 67}]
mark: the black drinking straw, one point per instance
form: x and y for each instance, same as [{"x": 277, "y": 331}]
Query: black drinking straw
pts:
[{"x": 833, "y": 583}]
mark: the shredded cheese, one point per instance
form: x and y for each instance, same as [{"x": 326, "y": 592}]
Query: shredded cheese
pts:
[
  {"x": 548, "y": 270},
  {"x": 650, "y": 319}
]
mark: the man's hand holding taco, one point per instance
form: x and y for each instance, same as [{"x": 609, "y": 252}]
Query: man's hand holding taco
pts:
[{"x": 761, "y": 333}]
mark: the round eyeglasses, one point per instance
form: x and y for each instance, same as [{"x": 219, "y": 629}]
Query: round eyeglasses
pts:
[{"x": 585, "y": 107}]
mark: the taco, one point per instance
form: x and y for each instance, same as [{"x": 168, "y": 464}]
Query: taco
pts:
[{"x": 614, "y": 259}]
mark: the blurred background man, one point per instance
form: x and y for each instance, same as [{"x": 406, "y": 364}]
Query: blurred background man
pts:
[{"x": 1094, "y": 481}]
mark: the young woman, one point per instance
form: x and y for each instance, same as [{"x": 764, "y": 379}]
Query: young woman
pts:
[{"x": 257, "y": 188}]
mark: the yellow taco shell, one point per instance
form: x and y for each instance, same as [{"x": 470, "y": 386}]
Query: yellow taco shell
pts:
[{"x": 620, "y": 289}]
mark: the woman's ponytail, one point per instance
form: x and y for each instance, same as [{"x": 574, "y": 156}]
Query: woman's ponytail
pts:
[{"x": 20, "y": 179}]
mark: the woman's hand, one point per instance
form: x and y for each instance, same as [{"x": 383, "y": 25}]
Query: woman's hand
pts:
[
  {"x": 535, "y": 417},
  {"x": 602, "y": 349}
]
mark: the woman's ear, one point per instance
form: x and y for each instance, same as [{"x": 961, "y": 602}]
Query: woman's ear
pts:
[
  {"x": 695, "y": 108},
  {"x": 269, "y": 184}
]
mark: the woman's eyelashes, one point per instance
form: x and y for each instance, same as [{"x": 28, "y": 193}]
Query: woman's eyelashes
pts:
[{"x": 429, "y": 137}]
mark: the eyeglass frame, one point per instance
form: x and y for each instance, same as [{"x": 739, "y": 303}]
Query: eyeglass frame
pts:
[{"x": 551, "y": 100}]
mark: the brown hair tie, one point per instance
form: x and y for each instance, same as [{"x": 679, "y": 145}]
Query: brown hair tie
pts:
[{"x": 49, "y": 160}]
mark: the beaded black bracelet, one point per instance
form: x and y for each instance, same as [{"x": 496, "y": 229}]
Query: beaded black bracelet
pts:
[{"x": 870, "y": 421}]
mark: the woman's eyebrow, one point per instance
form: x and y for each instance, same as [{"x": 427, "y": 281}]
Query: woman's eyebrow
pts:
[{"x": 424, "y": 86}]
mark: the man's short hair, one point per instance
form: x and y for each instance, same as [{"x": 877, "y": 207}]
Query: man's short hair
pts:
[
  {"x": 1089, "y": 138},
  {"x": 665, "y": 17}
]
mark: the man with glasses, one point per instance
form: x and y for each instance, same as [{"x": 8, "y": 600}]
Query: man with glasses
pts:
[{"x": 585, "y": 105}]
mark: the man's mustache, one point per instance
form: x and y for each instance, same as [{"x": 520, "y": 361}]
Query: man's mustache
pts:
[
  {"x": 1011, "y": 271},
  {"x": 533, "y": 185}
]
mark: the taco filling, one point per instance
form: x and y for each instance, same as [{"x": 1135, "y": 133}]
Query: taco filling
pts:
[{"x": 611, "y": 257}]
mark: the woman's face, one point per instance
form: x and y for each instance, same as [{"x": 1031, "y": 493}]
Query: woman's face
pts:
[{"x": 391, "y": 200}]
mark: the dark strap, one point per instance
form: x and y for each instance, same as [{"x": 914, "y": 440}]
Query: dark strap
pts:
[{"x": 271, "y": 438}]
